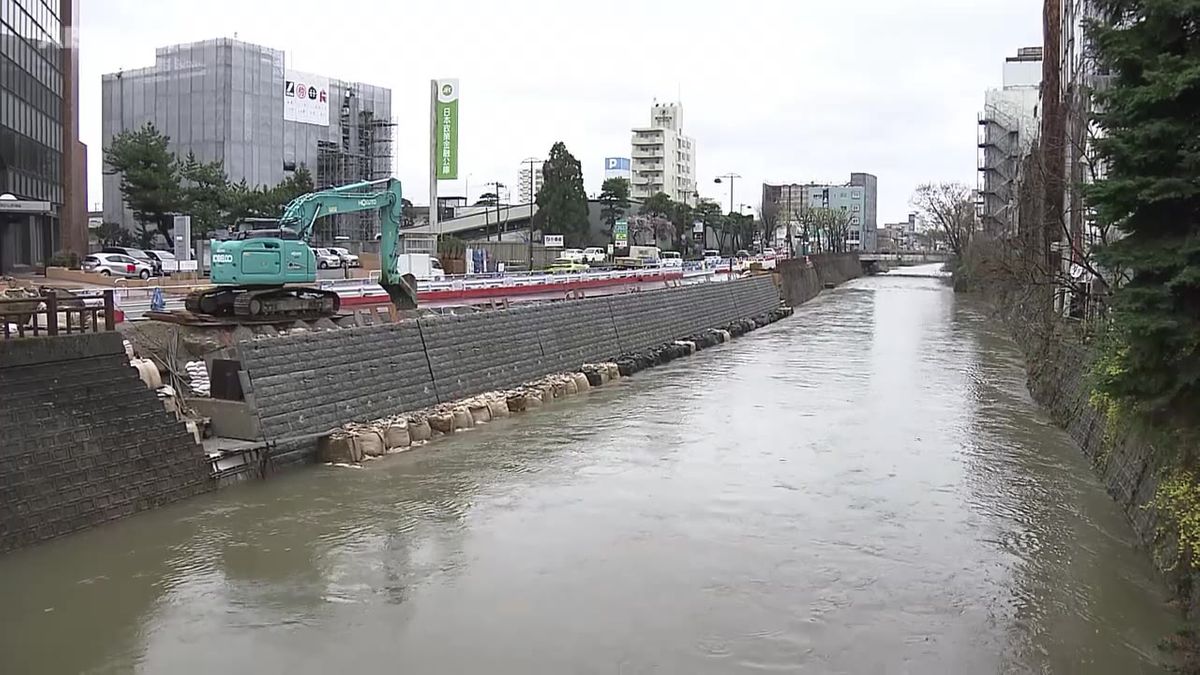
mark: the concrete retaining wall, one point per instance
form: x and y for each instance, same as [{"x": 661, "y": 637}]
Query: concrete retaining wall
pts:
[
  {"x": 83, "y": 441},
  {"x": 1058, "y": 381},
  {"x": 313, "y": 382},
  {"x": 801, "y": 280}
]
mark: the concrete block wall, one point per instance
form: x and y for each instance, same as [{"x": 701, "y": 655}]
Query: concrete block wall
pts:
[
  {"x": 802, "y": 279},
  {"x": 312, "y": 382},
  {"x": 309, "y": 382},
  {"x": 83, "y": 441},
  {"x": 476, "y": 352}
]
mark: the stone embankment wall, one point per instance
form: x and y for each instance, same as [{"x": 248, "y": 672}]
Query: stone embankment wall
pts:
[
  {"x": 801, "y": 280},
  {"x": 1058, "y": 378},
  {"x": 1058, "y": 381},
  {"x": 313, "y": 382},
  {"x": 83, "y": 441}
]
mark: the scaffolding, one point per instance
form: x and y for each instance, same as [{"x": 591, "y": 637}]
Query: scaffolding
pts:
[
  {"x": 359, "y": 149},
  {"x": 999, "y": 158}
]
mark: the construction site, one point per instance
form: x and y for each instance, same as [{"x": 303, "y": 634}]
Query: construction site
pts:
[{"x": 359, "y": 148}]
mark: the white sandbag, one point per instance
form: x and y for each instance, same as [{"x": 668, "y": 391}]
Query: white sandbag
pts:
[
  {"x": 396, "y": 436},
  {"x": 463, "y": 419},
  {"x": 581, "y": 382},
  {"x": 480, "y": 412},
  {"x": 370, "y": 442},
  {"x": 442, "y": 422},
  {"x": 419, "y": 431}
]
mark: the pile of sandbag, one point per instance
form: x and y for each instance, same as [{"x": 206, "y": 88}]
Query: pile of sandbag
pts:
[{"x": 358, "y": 442}]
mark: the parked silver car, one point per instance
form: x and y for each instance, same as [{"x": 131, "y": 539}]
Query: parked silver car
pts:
[
  {"x": 116, "y": 265},
  {"x": 327, "y": 258},
  {"x": 348, "y": 258},
  {"x": 136, "y": 254}
]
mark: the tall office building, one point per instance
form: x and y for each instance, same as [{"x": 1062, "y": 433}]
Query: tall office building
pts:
[
  {"x": 664, "y": 159},
  {"x": 236, "y": 103},
  {"x": 858, "y": 198},
  {"x": 43, "y": 201}
]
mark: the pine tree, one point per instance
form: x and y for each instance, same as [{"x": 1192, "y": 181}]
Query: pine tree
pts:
[
  {"x": 614, "y": 201},
  {"x": 149, "y": 176},
  {"x": 1150, "y": 145}
]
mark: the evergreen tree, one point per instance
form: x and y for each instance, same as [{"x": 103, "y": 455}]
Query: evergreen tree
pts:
[
  {"x": 1149, "y": 143},
  {"x": 614, "y": 201},
  {"x": 562, "y": 202},
  {"x": 205, "y": 194},
  {"x": 682, "y": 219}
]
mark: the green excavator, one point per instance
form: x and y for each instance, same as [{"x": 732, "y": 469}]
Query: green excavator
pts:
[{"x": 264, "y": 274}]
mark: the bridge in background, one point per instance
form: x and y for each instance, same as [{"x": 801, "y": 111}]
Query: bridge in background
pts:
[
  {"x": 905, "y": 257},
  {"x": 874, "y": 263},
  {"x": 512, "y": 218}
]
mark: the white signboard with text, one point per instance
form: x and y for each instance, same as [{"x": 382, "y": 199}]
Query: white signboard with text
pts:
[
  {"x": 552, "y": 240},
  {"x": 305, "y": 98}
]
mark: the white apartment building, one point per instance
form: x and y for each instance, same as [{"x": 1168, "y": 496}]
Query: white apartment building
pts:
[
  {"x": 664, "y": 159},
  {"x": 529, "y": 183}
]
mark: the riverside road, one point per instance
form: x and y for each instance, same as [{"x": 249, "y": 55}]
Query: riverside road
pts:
[{"x": 863, "y": 488}]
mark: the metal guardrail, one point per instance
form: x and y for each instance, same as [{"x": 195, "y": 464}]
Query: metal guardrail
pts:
[{"x": 135, "y": 302}]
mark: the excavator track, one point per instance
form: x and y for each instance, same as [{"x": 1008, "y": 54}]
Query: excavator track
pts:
[{"x": 281, "y": 303}]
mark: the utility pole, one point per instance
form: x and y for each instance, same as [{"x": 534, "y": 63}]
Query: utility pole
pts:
[
  {"x": 791, "y": 249},
  {"x": 433, "y": 160}
]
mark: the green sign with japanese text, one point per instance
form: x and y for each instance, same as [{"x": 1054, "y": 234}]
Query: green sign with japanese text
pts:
[{"x": 445, "y": 125}]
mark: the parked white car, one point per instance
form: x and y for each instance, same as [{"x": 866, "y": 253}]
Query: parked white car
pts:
[
  {"x": 327, "y": 258},
  {"x": 712, "y": 258},
  {"x": 348, "y": 259},
  {"x": 116, "y": 265},
  {"x": 594, "y": 255},
  {"x": 572, "y": 254},
  {"x": 671, "y": 258},
  {"x": 166, "y": 261}
]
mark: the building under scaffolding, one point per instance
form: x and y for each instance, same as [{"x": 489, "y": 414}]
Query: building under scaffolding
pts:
[
  {"x": 358, "y": 148},
  {"x": 1007, "y": 129},
  {"x": 238, "y": 104}
]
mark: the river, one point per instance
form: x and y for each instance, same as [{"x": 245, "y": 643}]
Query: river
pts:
[{"x": 865, "y": 487}]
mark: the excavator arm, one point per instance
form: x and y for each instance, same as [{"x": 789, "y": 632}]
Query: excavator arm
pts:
[{"x": 383, "y": 196}]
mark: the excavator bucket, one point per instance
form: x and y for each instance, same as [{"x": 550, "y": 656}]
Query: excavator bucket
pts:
[{"x": 403, "y": 293}]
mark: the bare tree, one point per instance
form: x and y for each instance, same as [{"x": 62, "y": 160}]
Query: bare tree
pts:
[{"x": 950, "y": 207}]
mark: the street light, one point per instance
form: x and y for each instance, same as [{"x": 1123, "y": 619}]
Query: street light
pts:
[
  {"x": 497, "y": 186},
  {"x": 729, "y": 177}
]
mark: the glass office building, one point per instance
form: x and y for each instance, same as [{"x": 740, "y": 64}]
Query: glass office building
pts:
[
  {"x": 237, "y": 103},
  {"x": 38, "y": 140}
]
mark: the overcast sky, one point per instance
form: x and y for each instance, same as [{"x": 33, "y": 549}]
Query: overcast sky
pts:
[{"x": 790, "y": 90}]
